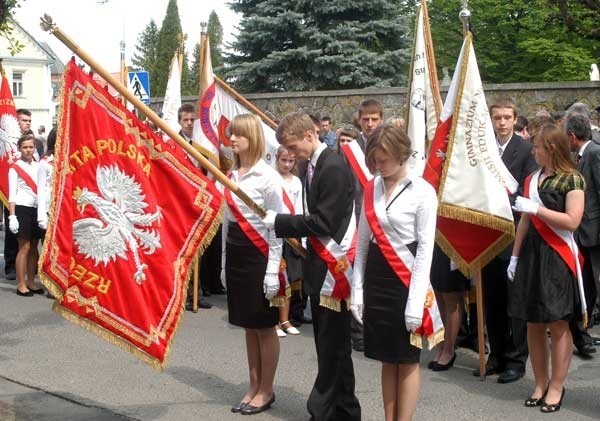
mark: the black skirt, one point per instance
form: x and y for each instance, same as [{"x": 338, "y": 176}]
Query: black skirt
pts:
[
  {"x": 293, "y": 263},
  {"x": 385, "y": 335},
  {"x": 245, "y": 268},
  {"x": 442, "y": 278},
  {"x": 28, "y": 225},
  {"x": 544, "y": 289}
]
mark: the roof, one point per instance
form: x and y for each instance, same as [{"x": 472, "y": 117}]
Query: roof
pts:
[{"x": 56, "y": 66}]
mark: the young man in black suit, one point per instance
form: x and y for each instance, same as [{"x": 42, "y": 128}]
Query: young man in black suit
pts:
[
  {"x": 328, "y": 196},
  {"x": 507, "y": 335}
]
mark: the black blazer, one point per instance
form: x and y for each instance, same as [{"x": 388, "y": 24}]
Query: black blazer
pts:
[
  {"x": 329, "y": 199},
  {"x": 588, "y": 233}
]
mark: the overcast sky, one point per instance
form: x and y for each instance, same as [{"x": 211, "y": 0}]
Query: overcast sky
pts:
[{"x": 98, "y": 26}]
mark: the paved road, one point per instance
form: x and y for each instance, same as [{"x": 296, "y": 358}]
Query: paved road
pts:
[{"x": 51, "y": 369}]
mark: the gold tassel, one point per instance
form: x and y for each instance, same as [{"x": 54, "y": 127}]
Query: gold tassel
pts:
[
  {"x": 416, "y": 340},
  {"x": 330, "y": 303}
]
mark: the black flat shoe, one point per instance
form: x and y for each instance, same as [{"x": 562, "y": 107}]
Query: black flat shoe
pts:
[
  {"x": 533, "y": 402},
  {"x": 25, "y": 294},
  {"x": 431, "y": 364},
  {"x": 251, "y": 410},
  {"x": 547, "y": 408},
  {"x": 39, "y": 291},
  {"x": 443, "y": 367},
  {"x": 238, "y": 408}
]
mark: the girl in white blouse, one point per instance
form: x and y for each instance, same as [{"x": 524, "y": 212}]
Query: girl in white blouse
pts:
[
  {"x": 251, "y": 260},
  {"x": 396, "y": 234},
  {"x": 22, "y": 198}
]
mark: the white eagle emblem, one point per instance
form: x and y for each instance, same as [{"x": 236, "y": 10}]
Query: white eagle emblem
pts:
[
  {"x": 120, "y": 222},
  {"x": 9, "y": 135}
]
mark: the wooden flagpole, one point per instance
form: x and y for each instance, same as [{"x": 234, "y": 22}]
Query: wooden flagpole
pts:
[
  {"x": 48, "y": 25},
  {"x": 480, "y": 324}
]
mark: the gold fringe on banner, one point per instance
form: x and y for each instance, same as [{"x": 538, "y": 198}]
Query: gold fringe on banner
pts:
[
  {"x": 281, "y": 301},
  {"x": 479, "y": 218},
  {"x": 435, "y": 338},
  {"x": 296, "y": 285}
]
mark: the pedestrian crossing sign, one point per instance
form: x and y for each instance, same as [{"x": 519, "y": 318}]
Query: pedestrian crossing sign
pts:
[{"x": 139, "y": 85}]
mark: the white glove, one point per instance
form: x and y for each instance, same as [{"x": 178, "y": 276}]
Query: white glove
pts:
[
  {"x": 43, "y": 223},
  {"x": 13, "y": 224},
  {"x": 269, "y": 219},
  {"x": 525, "y": 205},
  {"x": 412, "y": 323},
  {"x": 356, "y": 304},
  {"x": 512, "y": 268},
  {"x": 223, "y": 278},
  {"x": 271, "y": 285}
]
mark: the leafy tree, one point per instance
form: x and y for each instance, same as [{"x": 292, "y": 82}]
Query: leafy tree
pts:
[
  {"x": 168, "y": 41},
  {"x": 145, "y": 55},
  {"x": 306, "y": 45},
  {"x": 520, "y": 40},
  {"x": 215, "y": 34},
  {"x": 7, "y": 10}
]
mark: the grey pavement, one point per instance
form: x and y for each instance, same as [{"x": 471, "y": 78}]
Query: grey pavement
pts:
[{"x": 51, "y": 369}]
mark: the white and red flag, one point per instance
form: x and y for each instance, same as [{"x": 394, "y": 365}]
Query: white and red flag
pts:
[
  {"x": 216, "y": 108},
  {"x": 9, "y": 135},
  {"x": 128, "y": 213},
  {"x": 475, "y": 220},
  {"x": 424, "y": 100}
]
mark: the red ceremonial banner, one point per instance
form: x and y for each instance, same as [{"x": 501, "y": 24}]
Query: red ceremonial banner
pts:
[
  {"x": 128, "y": 214},
  {"x": 9, "y": 135}
]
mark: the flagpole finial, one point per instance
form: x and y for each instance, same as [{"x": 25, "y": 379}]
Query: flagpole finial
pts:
[
  {"x": 465, "y": 16},
  {"x": 47, "y": 23},
  {"x": 203, "y": 27}
]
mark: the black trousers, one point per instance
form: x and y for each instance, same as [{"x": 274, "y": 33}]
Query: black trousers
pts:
[
  {"x": 507, "y": 335},
  {"x": 332, "y": 397},
  {"x": 11, "y": 246},
  {"x": 581, "y": 336},
  {"x": 210, "y": 265}
]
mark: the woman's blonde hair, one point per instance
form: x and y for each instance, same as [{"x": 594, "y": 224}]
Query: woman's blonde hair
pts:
[
  {"x": 390, "y": 139},
  {"x": 249, "y": 126},
  {"x": 554, "y": 140}
]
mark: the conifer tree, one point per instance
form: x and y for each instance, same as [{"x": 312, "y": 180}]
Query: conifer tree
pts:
[
  {"x": 307, "y": 45},
  {"x": 145, "y": 54},
  {"x": 215, "y": 34},
  {"x": 168, "y": 41}
]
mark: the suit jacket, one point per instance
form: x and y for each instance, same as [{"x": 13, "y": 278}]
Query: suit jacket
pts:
[
  {"x": 329, "y": 199},
  {"x": 588, "y": 233},
  {"x": 520, "y": 162}
]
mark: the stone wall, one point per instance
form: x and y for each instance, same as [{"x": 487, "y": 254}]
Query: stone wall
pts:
[{"x": 340, "y": 105}]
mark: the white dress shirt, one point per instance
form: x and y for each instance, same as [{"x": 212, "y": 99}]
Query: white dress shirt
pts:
[
  {"x": 19, "y": 191},
  {"x": 413, "y": 215},
  {"x": 263, "y": 185},
  {"x": 293, "y": 188}
]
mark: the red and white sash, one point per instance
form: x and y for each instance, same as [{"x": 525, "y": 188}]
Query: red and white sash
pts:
[
  {"x": 339, "y": 259},
  {"x": 401, "y": 261},
  {"x": 356, "y": 159},
  {"x": 261, "y": 244},
  {"x": 26, "y": 177},
  {"x": 561, "y": 241},
  {"x": 288, "y": 202}
]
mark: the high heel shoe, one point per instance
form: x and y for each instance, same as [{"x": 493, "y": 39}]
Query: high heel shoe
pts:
[
  {"x": 533, "y": 402},
  {"x": 436, "y": 366},
  {"x": 547, "y": 408},
  {"x": 431, "y": 364}
]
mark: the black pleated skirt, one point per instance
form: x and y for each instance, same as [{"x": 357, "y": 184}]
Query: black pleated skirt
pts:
[
  {"x": 544, "y": 289},
  {"x": 245, "y": 268},
  {"x": 385, "y": 335}
]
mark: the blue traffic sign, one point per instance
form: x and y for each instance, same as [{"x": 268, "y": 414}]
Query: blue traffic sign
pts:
[{"x": 139, "y": 84}]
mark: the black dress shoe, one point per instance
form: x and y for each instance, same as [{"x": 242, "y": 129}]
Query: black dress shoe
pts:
[
  {"x": 39, "y": 291},
  {"x": 203, "y": 303},
  {"x": 295, "y": 322},
  {"x": 218, "y": 291},
  {"x": 238, "y": 408},
  {"x": 25, "y": 294},
  {"x": 490, "y": 370},
  {"x": 443, "y": 367},
  {"x": 555, "y": 407},
  {"x": 205, "y": 292},
  {"x": 305, "y": 319},
  {"x": 11, "y": 276},
  {"x": 586, "y": 350},
  {"x": 251, "y": 410},
  {"x": 358, "y": 346},
  {"x": 510, "y": 375},
  {"x": 533, "y": 402}
]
